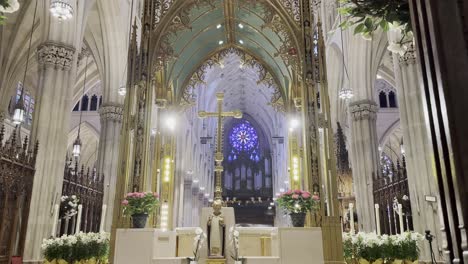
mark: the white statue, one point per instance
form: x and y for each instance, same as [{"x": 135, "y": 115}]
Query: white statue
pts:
[{"x": 216, "y": 230}]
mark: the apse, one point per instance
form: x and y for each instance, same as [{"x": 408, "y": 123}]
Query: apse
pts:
[{"x": 253, "y": 147}]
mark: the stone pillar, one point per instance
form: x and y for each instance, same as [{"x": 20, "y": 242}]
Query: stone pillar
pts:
[
  {"x": 109, "y": 141},
  {"x": 364, "y": 146},
  {"x": 51, "y": 123},
  {"x": 418, "y": 151}
]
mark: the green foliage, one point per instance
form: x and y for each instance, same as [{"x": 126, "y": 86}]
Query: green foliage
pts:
[
  {"x": 369, "y": 15},
  {"x": 4, "y": 4},
  {"x": 81, "y": 246},
  {"x": 372, "y": 247},
  {"x": 298, "y": 201},
  {"x": 140, "y": 203}
]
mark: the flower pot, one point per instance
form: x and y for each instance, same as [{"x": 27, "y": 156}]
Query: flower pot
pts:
[
  {"x": 365, "y": 261},
  {"x": 298, "y": 219},
  {"x": 139, "y": 220}
]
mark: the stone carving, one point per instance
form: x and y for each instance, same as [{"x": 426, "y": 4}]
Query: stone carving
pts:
[
  {"x": 57, "y": 55},
  {"x": 363, "y": 110},
  {"x": 111, "y": 113}
]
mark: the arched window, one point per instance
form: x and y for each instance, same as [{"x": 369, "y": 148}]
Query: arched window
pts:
[
  {"x": 383, "y": 100},
  {"x": 94, "y": 103},
  {"x": 392, "y": 99},
  {"x": 84, "y": 103},
  {"x": 77, "y": 107}
]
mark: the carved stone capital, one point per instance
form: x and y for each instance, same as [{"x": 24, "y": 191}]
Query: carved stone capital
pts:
[
  {"x": 363, "y": 110},
  {"x": 409, "y": 57},
  {"x": 111, "y": 112},
  {"x": 57, "y": 55}
]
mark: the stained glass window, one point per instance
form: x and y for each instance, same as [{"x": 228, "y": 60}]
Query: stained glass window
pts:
[{"x": 243, "y": 137}]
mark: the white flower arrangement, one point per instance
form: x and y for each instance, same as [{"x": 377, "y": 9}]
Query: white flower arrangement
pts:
[
  {"x": 198, "y": 241},
  {"x": 68, "y": 206},
  {"x": 371, "y": 246},
  {"x": 81, "y": 246}
]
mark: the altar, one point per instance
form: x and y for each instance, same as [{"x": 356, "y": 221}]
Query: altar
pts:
[{"x": 257, "y": 245}]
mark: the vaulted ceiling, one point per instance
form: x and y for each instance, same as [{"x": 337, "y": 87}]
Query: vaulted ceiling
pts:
[{"x": 198, "y": 31}]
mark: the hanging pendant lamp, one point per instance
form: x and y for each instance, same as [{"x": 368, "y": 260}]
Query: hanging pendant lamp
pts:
[
  {"x": 61, "y": 9},
  {"x": 345, "y": 92},
  {"x": 76, "y": 152},
  {"x": 20, "y": 110}
]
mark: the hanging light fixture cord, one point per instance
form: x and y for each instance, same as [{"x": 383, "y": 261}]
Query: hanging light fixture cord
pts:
[
  {"x": 343, "y": 51},
  {"x": 84, "y": 86},
  {"x": 29, "y": 52}
]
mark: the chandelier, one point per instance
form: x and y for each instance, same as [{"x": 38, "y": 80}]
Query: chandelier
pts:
[
  {"x": 346, "y": 93},
  {"x": 122, "y": 90},
  {"x": 61, "y": 9},
  {"x": 76, "y": 152}
]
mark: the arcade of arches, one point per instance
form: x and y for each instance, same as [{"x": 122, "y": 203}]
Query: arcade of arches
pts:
[{"x": 235, "y": 100}]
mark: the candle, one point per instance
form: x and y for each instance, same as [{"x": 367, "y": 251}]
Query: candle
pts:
[
  {"x": 103, "y": 218},
  {"x": 351, "y": 218},
  {"x": 377, "y": 218},
  {"x": 78, "y": 218},
  {"x": 400, "y": 216},
  {"x": 55, "y": 219}
]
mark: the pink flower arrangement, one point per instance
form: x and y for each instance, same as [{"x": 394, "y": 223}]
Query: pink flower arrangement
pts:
[
  {"x": 140, "y": 202},
  {"x": 298, "y": 201}
]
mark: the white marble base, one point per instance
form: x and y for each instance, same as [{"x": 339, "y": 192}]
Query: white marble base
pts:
[
  {"x": 301, "y": 245},
  {"x": 178, "y": 260},
  {"x": 185, "y": 238},
  {"x": 262, "y": 260},
  {"x": 258, "y": 241},
  {"x": 143, "y": 245}
]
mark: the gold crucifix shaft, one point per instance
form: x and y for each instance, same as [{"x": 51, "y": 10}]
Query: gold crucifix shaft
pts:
[{"x": 219, "y": 139}]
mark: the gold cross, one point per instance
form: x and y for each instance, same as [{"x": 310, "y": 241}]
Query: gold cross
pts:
[{"x": 219, "y": 139}]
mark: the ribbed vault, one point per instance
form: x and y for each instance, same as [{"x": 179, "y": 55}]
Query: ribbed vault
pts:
[{"x": 193, "y": 31}]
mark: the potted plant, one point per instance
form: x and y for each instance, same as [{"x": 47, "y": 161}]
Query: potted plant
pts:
[
  {"x": 297, "y": 203},
  {"x": 198, "y": 241},
  {"x": 139, "y": 205},
  {"x": 365, "y": 248},
  {"x": 234, "y": 237},
  {"x": 81, "y": 248}
]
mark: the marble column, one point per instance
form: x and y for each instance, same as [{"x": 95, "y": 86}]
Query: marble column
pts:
[
  {"x": 364, "y": 146},
  {"x": 109, "y": 142},
  {"x": 50, "y": 127},
  {"x": 418, "y": 151}
]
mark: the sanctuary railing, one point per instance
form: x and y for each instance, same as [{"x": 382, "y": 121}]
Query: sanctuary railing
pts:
[
  {"x": 88, "y": 186},
  {"x": 17, "y": 162},
  {"x": 391, "y": 190}
]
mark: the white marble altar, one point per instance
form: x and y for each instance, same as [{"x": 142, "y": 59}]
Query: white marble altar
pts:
[
  {"x": 301, "y": 245},
  {"x": 258, "y": 241},
  {"x": 185, "y": 238},
  {"x": 258, "y": 245},
  {"x": 143, "y": 245}
]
